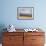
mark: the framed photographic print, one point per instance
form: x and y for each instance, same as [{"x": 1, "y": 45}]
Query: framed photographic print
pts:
[{"x": 25, "y": 13}]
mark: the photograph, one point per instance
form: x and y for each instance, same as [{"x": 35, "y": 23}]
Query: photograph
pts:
[{"x": 25, "y": 13}]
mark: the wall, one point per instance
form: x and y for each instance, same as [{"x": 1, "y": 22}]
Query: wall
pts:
[{"x": 8, "y": 13}]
